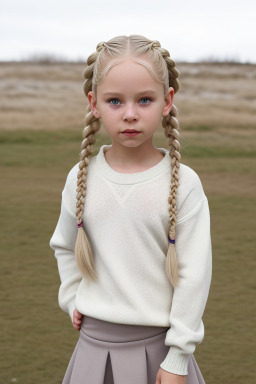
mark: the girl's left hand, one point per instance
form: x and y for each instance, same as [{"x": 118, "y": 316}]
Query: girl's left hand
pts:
[
  {"x": 164, "y": 377},
  {"x": 77, "y": 319}
]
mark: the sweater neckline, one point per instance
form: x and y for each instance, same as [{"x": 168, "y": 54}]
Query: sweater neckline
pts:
[{"x": 131, "y": 178}]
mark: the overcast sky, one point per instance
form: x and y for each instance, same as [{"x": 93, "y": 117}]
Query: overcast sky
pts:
[{"x": 190, "y": 29}]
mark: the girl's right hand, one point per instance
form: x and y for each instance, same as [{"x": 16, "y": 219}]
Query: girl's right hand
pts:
[{"x": 77, "y": 319}]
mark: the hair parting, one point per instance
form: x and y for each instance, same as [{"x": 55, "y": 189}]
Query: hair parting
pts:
[{"x": 164, "y": 70}]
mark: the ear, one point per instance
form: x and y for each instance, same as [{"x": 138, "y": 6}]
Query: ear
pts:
[
  {"x": 93, "y": 104},
  {"x": 168, "y": 101}
]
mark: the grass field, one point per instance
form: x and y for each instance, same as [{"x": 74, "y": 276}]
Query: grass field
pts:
[{"x": 37, "y": 338}]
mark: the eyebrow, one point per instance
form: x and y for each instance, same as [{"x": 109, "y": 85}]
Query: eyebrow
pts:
[{"x": 147, "y": 91}]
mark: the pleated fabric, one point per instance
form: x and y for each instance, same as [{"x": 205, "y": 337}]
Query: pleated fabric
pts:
[{"x": 112, "y": 353}]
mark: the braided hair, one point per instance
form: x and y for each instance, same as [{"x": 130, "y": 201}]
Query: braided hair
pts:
[{"x": 164, "y": 70}]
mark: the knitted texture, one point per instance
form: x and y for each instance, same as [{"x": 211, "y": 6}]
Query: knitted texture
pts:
[{"x": 126, "y": 218}]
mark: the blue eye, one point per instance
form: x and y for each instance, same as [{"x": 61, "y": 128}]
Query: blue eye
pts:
[
  {"x": 145, "y": 100},
  {"x": 114, "y": 101}
]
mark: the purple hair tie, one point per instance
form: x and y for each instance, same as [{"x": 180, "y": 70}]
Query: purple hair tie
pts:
[
  {"x": 80, "y": 225},
  {"x": 171, "y": 241}
]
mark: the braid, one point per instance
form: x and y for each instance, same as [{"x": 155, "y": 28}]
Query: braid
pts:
[
  {"x": 92, "y": 126},
  {"x": 95, "y": 71},
  {"x": 171, "y": 125},
  {"x": 83, "y": 249}
]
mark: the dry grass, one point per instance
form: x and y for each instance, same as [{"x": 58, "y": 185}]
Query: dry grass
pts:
[
  {"x": 37, "y": 338},
  {"x": 212, "y": 96}
]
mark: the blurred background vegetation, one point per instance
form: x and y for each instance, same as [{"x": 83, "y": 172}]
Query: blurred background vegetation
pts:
[{"x": 42, "y": 108}]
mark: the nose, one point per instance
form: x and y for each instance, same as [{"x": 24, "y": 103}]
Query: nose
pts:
[{"x": 130, "y": 113}]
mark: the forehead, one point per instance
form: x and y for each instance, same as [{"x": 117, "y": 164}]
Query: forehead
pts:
[
  {"x": 129, "y": 63},
  {"x": 128, "y": 72}
]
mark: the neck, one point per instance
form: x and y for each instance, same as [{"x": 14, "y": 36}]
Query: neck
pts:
[{"x": 122, "y": 157}]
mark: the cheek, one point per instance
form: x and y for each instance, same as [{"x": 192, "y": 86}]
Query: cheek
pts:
[
  {"x": 155, "y": 113},
  {"x": 108, "y": 115}
]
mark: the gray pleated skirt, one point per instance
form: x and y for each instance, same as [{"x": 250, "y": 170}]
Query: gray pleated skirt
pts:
[{"x": 112, "y": 353}]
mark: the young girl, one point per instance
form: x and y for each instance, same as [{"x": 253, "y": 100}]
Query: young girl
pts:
[{"x": 133, "y": 241}]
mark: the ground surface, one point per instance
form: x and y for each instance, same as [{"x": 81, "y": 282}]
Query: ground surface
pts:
[{"x": 41, "y": 111}]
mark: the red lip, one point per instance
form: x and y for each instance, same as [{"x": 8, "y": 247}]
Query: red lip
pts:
[{"x": 130, "y": 131}]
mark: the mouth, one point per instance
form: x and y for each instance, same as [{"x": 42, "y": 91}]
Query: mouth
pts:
[{"x": 130, "y": 131}]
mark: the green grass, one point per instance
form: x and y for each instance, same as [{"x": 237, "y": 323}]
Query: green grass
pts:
[{"x": 37, "y": 338}]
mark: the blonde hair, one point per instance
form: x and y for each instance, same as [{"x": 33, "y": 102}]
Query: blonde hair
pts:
[{"x": 165, "y": 72}]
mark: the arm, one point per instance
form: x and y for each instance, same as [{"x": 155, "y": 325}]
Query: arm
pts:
[
  {"x": 63, "y": 243},
  {"x": 194, "y": 255}
]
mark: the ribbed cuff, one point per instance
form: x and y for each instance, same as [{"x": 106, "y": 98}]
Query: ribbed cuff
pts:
[{"x": 176, "y": 361}]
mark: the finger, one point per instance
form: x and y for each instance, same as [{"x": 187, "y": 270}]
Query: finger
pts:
[
  {"x": 77, "y": 327},
  {"x": 76, "y": 321},
  {"x": 75, "y": 318},
  {"x": 79, "y": 315},
  {"x": 76, "y": 313},
  {"x": 158, "y": 376}
]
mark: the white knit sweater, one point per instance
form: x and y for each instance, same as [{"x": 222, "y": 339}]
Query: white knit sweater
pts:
[{"x": 126, "y": 218}]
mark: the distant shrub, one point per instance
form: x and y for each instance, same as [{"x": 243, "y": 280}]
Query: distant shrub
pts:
[{"x": 45, "y": 58}]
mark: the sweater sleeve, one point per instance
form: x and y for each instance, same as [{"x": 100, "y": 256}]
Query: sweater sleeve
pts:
[
  {"x": 63, "y": 243},
  {"x": 194, "y": 255}
]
